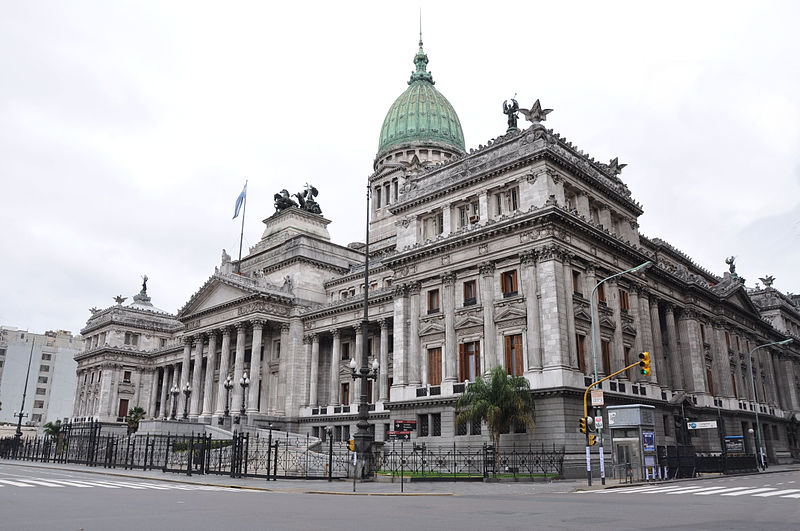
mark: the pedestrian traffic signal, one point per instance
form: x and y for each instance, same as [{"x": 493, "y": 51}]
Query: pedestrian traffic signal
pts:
[
  {"x": 592, "y": 440},
  {"x": 582, "y": 423},
  {"x": 644, "y": 363},
  {"x": 351, "y": 445}
]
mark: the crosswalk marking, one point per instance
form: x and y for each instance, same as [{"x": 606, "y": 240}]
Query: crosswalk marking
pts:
[
  {"x": 748, "y": 491},
  {"x": 776, "y": 493},
  {"x": 14, "y": 483},
  {"x": 71, "y": 483},
  {"x": 690, "y": 489},
  {"x": 719, "y": 490},
  {"x": 792, "y": 496},
  {"x": 39, "y": 482}
]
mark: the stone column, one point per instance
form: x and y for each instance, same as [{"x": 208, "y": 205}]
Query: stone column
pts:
[
  {"x": 238, "y": 366},
  {"x": 113, "y": 401},
  {"x": 550, "y": 278},
  {"x": 266, "y": 376},
  {"x": 674, "y": 355},
  {"x": 787, "y": 375},
  {"x": 283, "y": 370},
  {"x": 418, "y": 361},
  {"x": 489, "y": 354},
  {"x": 185, "y": 373},
  {"x": 720, "y": 363},
  {"x": 224, "y": 371},
  {"x": 208, "y": 385},
  {"x": 570, "y": 315},
  {"x": 532, "y": 319},
  {"x": 356, "y": 398},
  {"x": 402, "y": 363},
  {"x": 152, "y": 411},
  {"x": 657, "y": 351},
  {"x": 175, "y": 402},
  {"x": 450, "y": 356},
  {"x": 657, "y": 362},
  {"x": 165, "y": 383},
  {"x": 255, "y": 366},
  {"x": 197, "y": 371},
  {"x": 617, "y": 347},
  {"x": 314, "y": 377},
  {"x": 383, "y": 387},
  {"x": 336, "y": 355},
  {"x": 693, "y": 354},
  {"x": 640, "y": 317}
]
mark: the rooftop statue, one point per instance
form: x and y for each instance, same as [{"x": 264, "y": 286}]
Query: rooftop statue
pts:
[
  {"x": 731, "y": 265},
  {"x": 615, "y": 166},
  {"x": 511, "y": 111},
  {"x": 144, "y": 285},
  {"x": 119, "y": 299},
  {"x": 768, "y": 280},
  {"x": 305, "y": 200},
  {"x": 536, "y": 114},
  {"x": 283, "y": 201}
]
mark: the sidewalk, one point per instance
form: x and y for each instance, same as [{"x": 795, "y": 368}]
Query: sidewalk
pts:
[{"x": 310, "y": 486}]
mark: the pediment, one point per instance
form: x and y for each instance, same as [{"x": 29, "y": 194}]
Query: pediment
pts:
[
  {"x": 740, "y": 299},
  {"x": 214, "y": 293},
  {"x": 608, "y": 323},
  {"x": 583, "y": 314},
  {"x": 468, "y": 321},
  {"x": 628, "y": 329},
  {"x": 431, "y": 328},
  {"x": 509, "y": 312}
]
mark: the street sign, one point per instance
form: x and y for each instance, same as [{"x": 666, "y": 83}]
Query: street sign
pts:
[
  {"x": 598, "y": 423},
  {"x": 597, "y": 398},
  {"x": 405, "y": 425},
  {"x": 702, "y": 425},
  {"x": 399, "y": 435}
]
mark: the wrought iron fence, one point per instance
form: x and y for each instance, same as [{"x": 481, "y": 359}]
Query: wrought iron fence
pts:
[{"x": 246, "y": 455}]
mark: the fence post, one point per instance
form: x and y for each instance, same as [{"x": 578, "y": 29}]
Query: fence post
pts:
[
  {"x": 190, "y": 448},
  {"x": 275, "y": 466},
  {"x": 245, "y": 453},
  {"x": 166, "y": 455}
]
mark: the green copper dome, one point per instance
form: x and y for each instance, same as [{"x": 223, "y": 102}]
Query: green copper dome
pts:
[{"x": 421, "y": 115}]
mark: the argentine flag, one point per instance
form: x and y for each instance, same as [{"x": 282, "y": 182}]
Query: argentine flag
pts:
[{"x": 240, "y": 201}]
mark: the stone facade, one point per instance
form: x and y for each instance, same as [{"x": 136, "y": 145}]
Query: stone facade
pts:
[{"x": 487, "y": 258}]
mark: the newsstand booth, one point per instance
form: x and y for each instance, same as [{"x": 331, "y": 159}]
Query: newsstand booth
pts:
[{"x": 633, "y": 441}]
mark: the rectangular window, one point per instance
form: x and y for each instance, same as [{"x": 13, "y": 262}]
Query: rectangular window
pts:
[
  {"x": 422, "y": 422},
  {"x": 667, "y": 422},
  {"x": 470, "y": 361},
  {"x": 127, "y": 338},
  {"x": 733, "y": 385},
  {"x": 163, "y": 342},
  {"x": 475, "y": 427},
  {"x": 38, "y": 404},
  {"x": 42, "y": 379},
  {"x": 370, "y": 398},
  {"x": 345, "y": 433},
  {"x": 46, "y": 357},
  {"x": 436, "y": 424},
  {"x": 728, "y": 339},
  {"x": 387, "y": 192},
  {"x": 710, "y": 378},
  {"x": 580, "y": 344},
  {"x": 514, "y": 355},
  {"x": 576, "y": 283},
  {"x": 276, "y": 349},
  {"x": 40, "y": 391},
  {"x": 123, "y": 408},
  {"x": 509, "y": 283},
  {"x": 627, "y": 351},
  {"x": 345, "y": 351},
  {"x": 606, "y": 350},
  {"x": 470, "y": 293},
  {"x": 377, "y": 197},
  {"x": 513, "y": 199},
  {"x": 395, "y": 189},
  {"x": 126, "y": 377},
  {"x": 345, "y": 394},
  {"x": 601, "y": 293},
  {"x": 434, "y": 366},
  {"x": 433, "y": 301},
  {"x": 703, "y": 333},
  {"x": 461, "y": 429},
  {"x": 44, "y": 368},
  {"x": 624, "y": 301}
]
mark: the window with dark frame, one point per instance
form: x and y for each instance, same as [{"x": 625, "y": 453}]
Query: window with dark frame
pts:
[
  {"x": 470, "y": 293},
  {"x": 435, "y": 366},
  {"x": 710, "y": 378},
  {"x": 469, "y": 355},
  {"x": 576, "y": 283},
  {"x": 436, "y": 424},
  {"x": 605, "y": 347},
  {"x": 624, "y": 300},
  {"x": 580, "y": 345},
  {"x": 509, "y": 283},
  {"x": 345, "y": 351},
  {"x": 126, "y": 377},
  {"x": 601, "y": 293},
  {"x": 513, "y": 353},
  {"x": 345, "y": 394},
  {"x": 627, "y": 354},
  {"x": 422, "y": 421},
  {"x": 433, "y": 301}
]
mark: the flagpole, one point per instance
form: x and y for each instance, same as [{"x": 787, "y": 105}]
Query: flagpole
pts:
[{"x": 241, "y": 234}]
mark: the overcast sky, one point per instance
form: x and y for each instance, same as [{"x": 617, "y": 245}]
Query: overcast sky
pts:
[{"x": 127, "y": 129}]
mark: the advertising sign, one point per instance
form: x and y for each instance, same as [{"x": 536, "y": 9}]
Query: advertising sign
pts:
[
  {"x": 734, "y": 444},
  {"x": 649, "y": 441},
  {"x": 597, "y": 398}
]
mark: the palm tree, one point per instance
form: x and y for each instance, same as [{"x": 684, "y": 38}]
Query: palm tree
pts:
[
  {"x": 499, "y": 399},
  {"x": 52, "y": 428},
  {"x": 134, "y": 416}
]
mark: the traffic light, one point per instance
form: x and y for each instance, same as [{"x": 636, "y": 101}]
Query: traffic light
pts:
[
  {"x": 351, "y": 445},
  {"x": 592, "y": 440},
  {"x": 582, "y": 423},
  {"x": 644, "y": 363}
]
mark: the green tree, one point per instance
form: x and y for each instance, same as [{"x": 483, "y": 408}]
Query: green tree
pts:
[
  {"x": 52, "y": 428},
  {"x": 134, "y": 416},
  {"x": 499, "y": 399}
]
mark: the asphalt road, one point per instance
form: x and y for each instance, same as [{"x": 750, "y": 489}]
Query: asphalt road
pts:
[{"x": 54, "y": 500}]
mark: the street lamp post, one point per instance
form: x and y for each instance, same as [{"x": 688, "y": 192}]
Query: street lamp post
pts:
[
  {"x": 21, "y": 413},
  {"x": 187, "y": 391},
  {"x": 244, "y": 382},
  {"x": 174, "y": 392},
  {"x": 228, "y": 385},
  {"x": 594, "y": 360},
  {"x": 755, "y": 401},
  {"x": 329, "y": 432}
]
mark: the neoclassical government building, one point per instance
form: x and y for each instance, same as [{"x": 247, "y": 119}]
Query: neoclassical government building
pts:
[{"x": 478, "y": 258}]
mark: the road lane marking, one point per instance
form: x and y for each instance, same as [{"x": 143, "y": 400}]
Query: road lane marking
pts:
[
  {"x": 71, "y": 483},
  {"x": 691, "y": 489},
  {"x": 121, "y": 484},
  {"x": 719, "y": 490},
  {"x": 42, "y": 483},
  {"x": 14, "y": 483},
  {"x": 776, "y": 493},
  {"x": 657, "y": 490},
  {"x": 792, "y": 496},
  {"x": 749, "y": 491}
]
